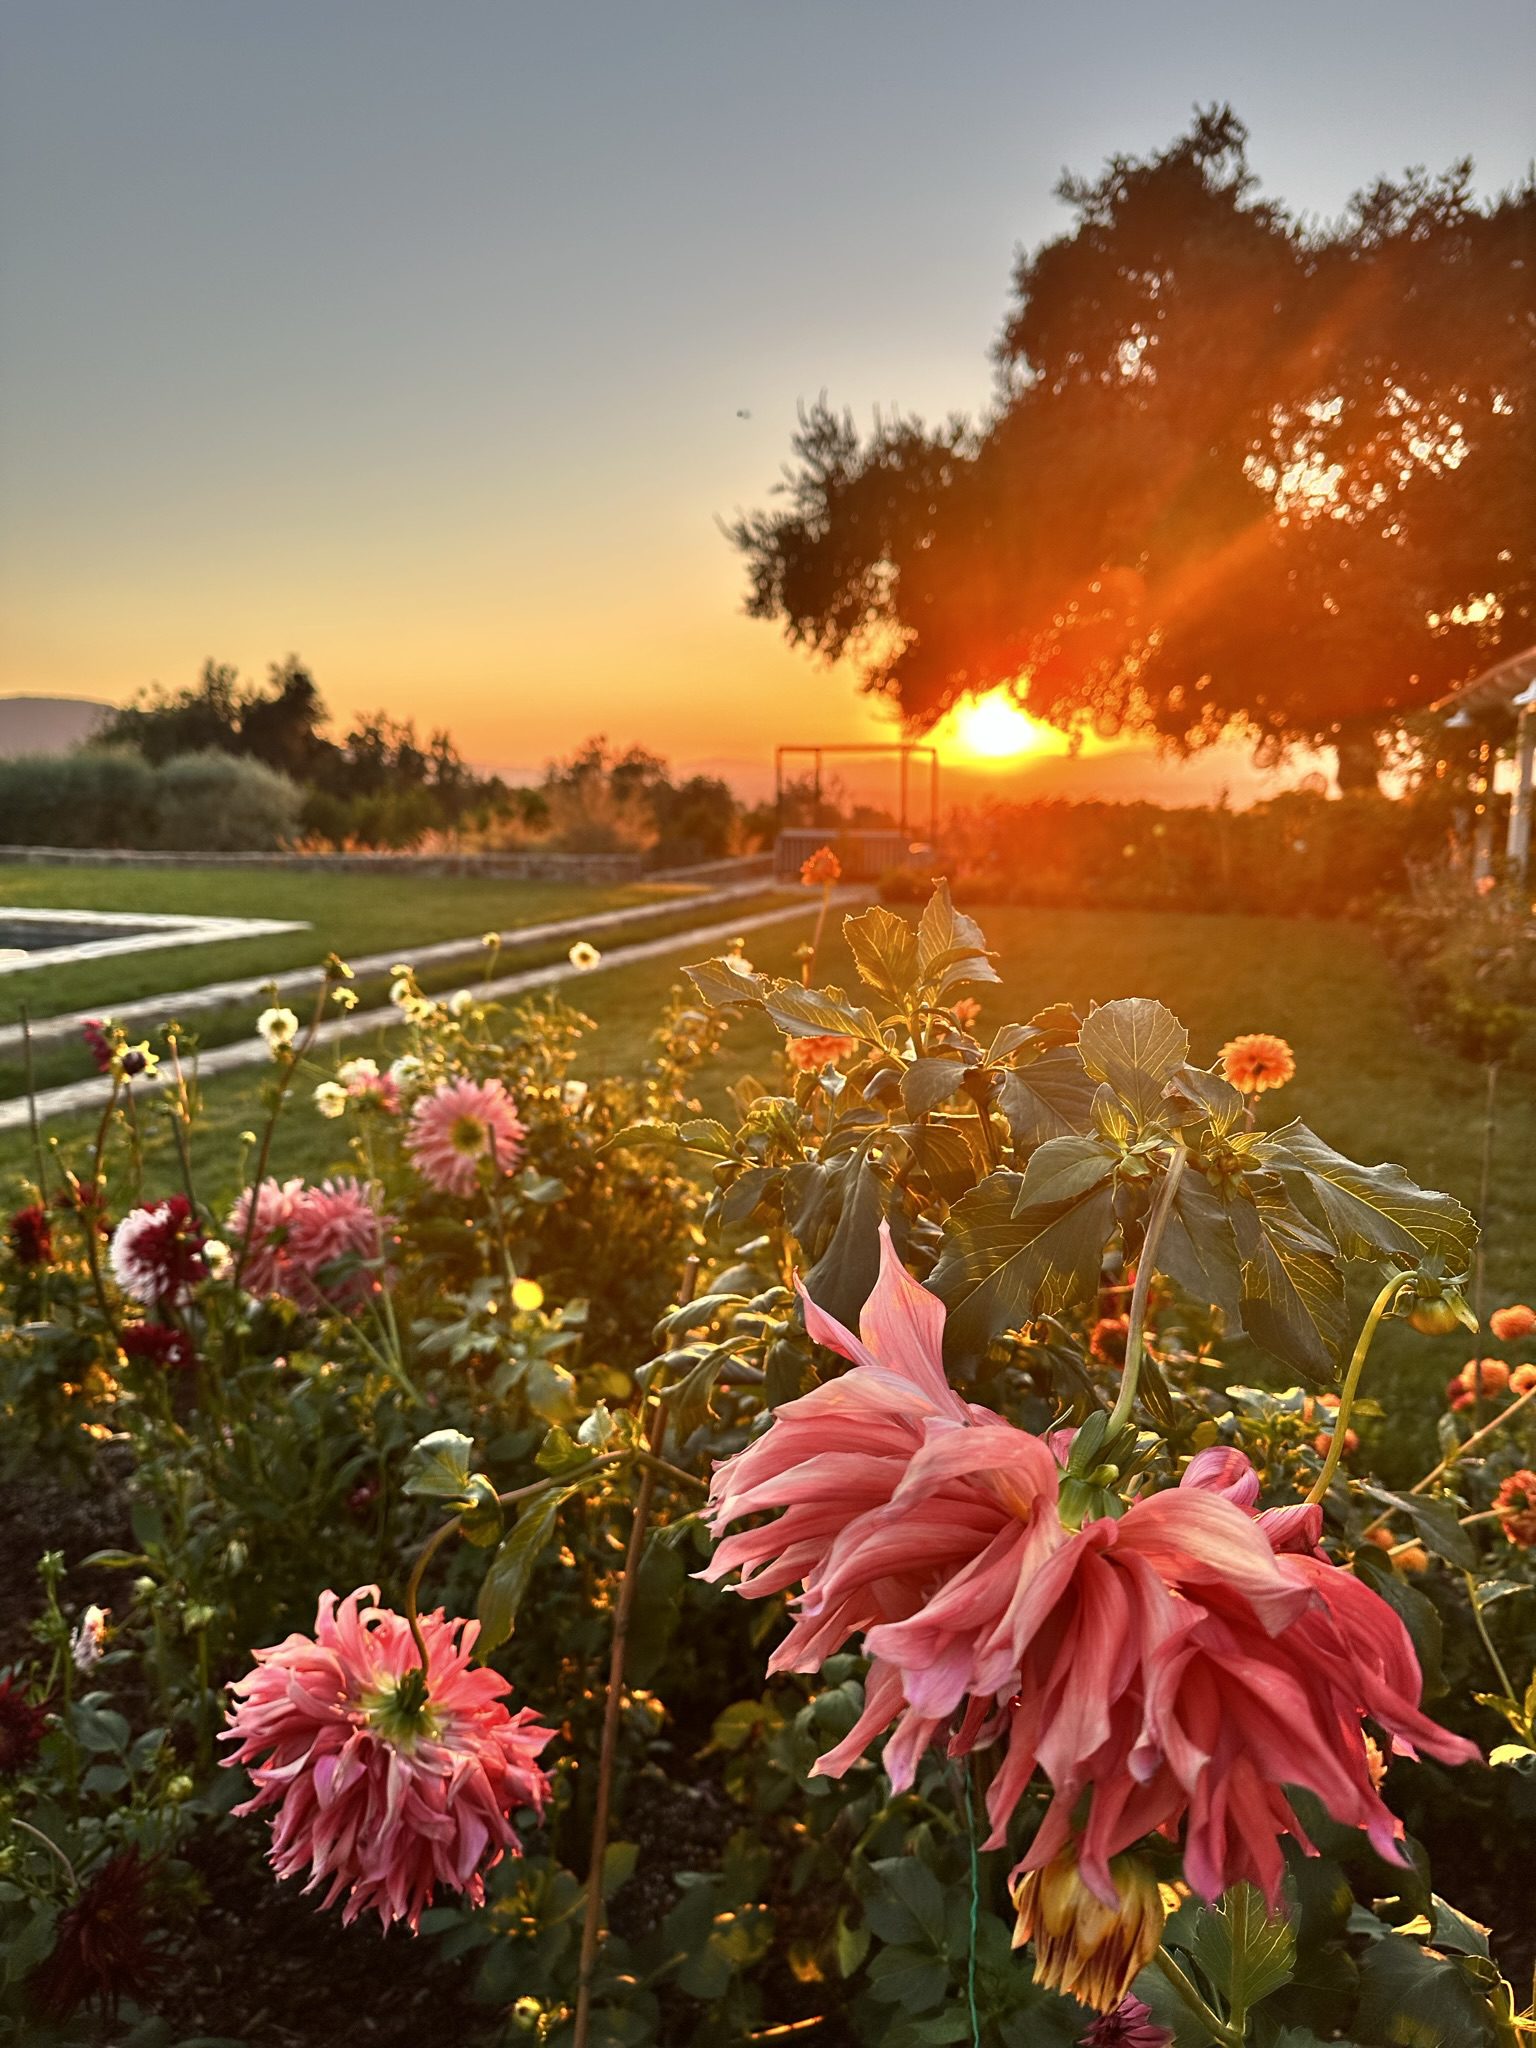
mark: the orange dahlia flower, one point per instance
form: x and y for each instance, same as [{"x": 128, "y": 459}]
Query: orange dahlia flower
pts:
[
  {"x": 1516, "y": 1505},
  {"x": 810, "y": 1055},
  {"x": 1256, "y": 1061},
  {"x": 822, "y": 869},
  {"x": 1509, "y": 1325}
]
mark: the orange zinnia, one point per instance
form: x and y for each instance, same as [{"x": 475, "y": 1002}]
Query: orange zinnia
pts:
[
  {"x": 822, "y": 869},
  {"x": 1256, "y": 1061}
]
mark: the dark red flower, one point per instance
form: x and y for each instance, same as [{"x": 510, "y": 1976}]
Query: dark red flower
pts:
[
  {"x": 1107, "y": 1341},
  {"x": 30, "y": 1236},
  {"x": 157, "y": 1252},
  {"x": 158, "y": 1344},
  {"x": 22, "y": 1723},
  {"x": 1130, "y": 2025},
  {"x": 97, "y": 1043},
  {"x": 362, "y": 1497},
  {"x": 101, "y": 1948}
]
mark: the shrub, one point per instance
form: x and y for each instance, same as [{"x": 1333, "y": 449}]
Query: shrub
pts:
[{"x": 112, "y": 797}]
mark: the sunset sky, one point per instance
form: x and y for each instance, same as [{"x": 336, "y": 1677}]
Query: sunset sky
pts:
[{"x": 430, "y": 341}]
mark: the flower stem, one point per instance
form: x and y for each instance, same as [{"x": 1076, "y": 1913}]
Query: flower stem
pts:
[
  {"x": 1482, "y": 1628},
  {"x": 623, "y": 1610},
  {"x": 1379, "y": 1307},
  {"x": 52, "y": 1847},
  {"x": 424, "y": 1557},
  {"x": 1135, "y": 1336},
  {"x": 1219, "y": 2029}
]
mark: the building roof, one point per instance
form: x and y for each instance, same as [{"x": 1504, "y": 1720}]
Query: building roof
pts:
[{"x": 1498, "y": 685}]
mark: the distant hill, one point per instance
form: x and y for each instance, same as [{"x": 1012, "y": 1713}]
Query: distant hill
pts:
[{"x": 46, "y": 725}]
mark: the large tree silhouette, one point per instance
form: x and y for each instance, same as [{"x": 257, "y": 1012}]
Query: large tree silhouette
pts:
[{"x": 1242, "y": 470}]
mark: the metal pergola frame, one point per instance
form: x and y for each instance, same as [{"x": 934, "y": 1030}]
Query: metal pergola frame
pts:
[{"x": 903, "y": 749}]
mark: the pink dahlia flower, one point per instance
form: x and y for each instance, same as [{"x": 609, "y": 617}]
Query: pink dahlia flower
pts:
[
  {"x": 457, "y": 1126},
  {"x": 298, "y": 1232},
  {"x": 157, "y": 1252},
  {"x": 385, "y": 1786},
  {"x": 1181, "y": 1663}
]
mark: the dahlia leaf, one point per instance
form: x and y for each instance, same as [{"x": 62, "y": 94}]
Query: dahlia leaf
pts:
[
  {"x": 503, "y": 1587},
  {"x": 818, "y": 1012},
  {"x": 1409, "y": 1994},
  {"x": 884, "y": 948},
  {"x": 721, "y": 985},
  {"x": 1000, "y": 1269},
  {"x": 1371, "y": 1211},
  {"x": 1061, "y": 1170},
  {"x": 1136, "y": 1045},
  {"x": 1198, "y": 1251},
  {"x": 1051, "y": 1097},
  {"x": 1435, "y": 1521},
  {"x": 951, "y": 948},
  {"x": 437, "y": 1467},
  {"x": 928, "y": 1082},
  {"x": 1292, "y": 1289},
  {"x": 1244, "y": 1952}
]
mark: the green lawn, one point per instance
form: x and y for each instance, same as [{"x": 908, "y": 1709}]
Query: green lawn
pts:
[
  {"x": 350, "y": 914},
  {"x": 1365, "y": 1081}
]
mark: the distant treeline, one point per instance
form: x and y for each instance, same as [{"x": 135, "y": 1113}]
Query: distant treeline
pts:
[{"x": 380, "y": 785}]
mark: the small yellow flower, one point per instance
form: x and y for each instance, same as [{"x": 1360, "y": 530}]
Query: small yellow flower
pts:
[{"x": 527, "y": 1295}]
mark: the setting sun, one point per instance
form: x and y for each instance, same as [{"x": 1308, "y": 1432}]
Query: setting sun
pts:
[{"x": 995, "y": 729}]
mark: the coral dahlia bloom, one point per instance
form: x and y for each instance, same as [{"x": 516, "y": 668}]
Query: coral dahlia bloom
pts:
[
  {"x": 1509, "y": 1325},
  {"x": 822, "y": 869},
  {"x": 157, "y": 1252},
  {"x": 298, "y": 1232},
  {"x": 385, "y": 1785},
  {"x": 457, "y": 1126},
  {"x": 1516, "y": 1505},
  {"x": 1256, "y": 1061},
  {"x": 1523, "y": 1379},
  {"x": 1182, "y": 1663},
  {"x": 810, "y": 1055}
]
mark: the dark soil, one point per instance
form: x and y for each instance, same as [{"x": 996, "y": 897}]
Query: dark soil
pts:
[{"x": 78, "y": 1517}]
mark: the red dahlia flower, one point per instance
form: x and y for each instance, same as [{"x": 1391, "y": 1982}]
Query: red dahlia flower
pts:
[
  {"x": 157, "y": 1252},
  {"x": 22, "y": 1724},
  {"x": 387, "y": 1784},
  {"x": 30, "y": 1236},
  {"x": 101, "y": 1944}
]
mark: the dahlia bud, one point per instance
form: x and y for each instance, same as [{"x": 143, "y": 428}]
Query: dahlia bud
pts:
[{"x": 1083, "y": 1947}]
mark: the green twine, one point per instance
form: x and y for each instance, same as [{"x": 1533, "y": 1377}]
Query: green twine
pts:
[{"x": 970, "y": 1960}]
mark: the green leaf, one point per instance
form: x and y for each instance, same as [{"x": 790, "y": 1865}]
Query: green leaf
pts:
[
  {"x": 1058, "y": 1025},
  {"x": 503, "y": 1587},
  {"x": 437, "y": 1467},
  {"x": 1419, "y": 1615},
  {"x": 1293, "y": 1291},
  {"x": 636, "y": 1135},
  {"x": 705, "y": 1134},
  {"x": 1062, "y": 1170},
  {"x": 1370, "y": 1211},
  {"x": 689, "y": 1399},
  {"x": 1000, "y": 1269},
  {"x": 1411, "y": 1999},
  {"x": 1194, "y": 1096},
  {"x": 1135, "y": 1044},
  {"x": 1049, "y": 1097},
  {"x": 814, "y": 1012},
  {"x": 721, "y": 985},
  {"x": 930, "y": 1081},
  {"x": 1199, "y": 1249},
  {"x": 1436, "y": 1522},
  {"x": 884, "y": 948},
  {"x": 950, "y": 947},
  {"x": 1455, "y": 1930},
  {"x": 1244, "y": 1952}
]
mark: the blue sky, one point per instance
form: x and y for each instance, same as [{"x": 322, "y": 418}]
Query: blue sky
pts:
[{"x": 415, "y": 337}]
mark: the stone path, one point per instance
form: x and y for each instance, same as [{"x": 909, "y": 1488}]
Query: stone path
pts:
[
  {"x": 149, "y": 1012},
  {"x": 252, "y": 1052}
]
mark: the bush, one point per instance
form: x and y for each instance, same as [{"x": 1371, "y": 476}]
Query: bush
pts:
[
  {"x": 219, "y": 803},
  {"x": 112, "y": 797}
]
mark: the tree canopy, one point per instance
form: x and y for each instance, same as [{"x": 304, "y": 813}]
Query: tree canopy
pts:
[{"x": 1242, "y": 469}]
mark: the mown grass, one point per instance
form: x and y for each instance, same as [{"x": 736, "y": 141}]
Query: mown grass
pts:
[
  {"x": 1366, "y": 1081},
  {"x": 349, "y": 914},
  {"x": 57, "y": 1062}
]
